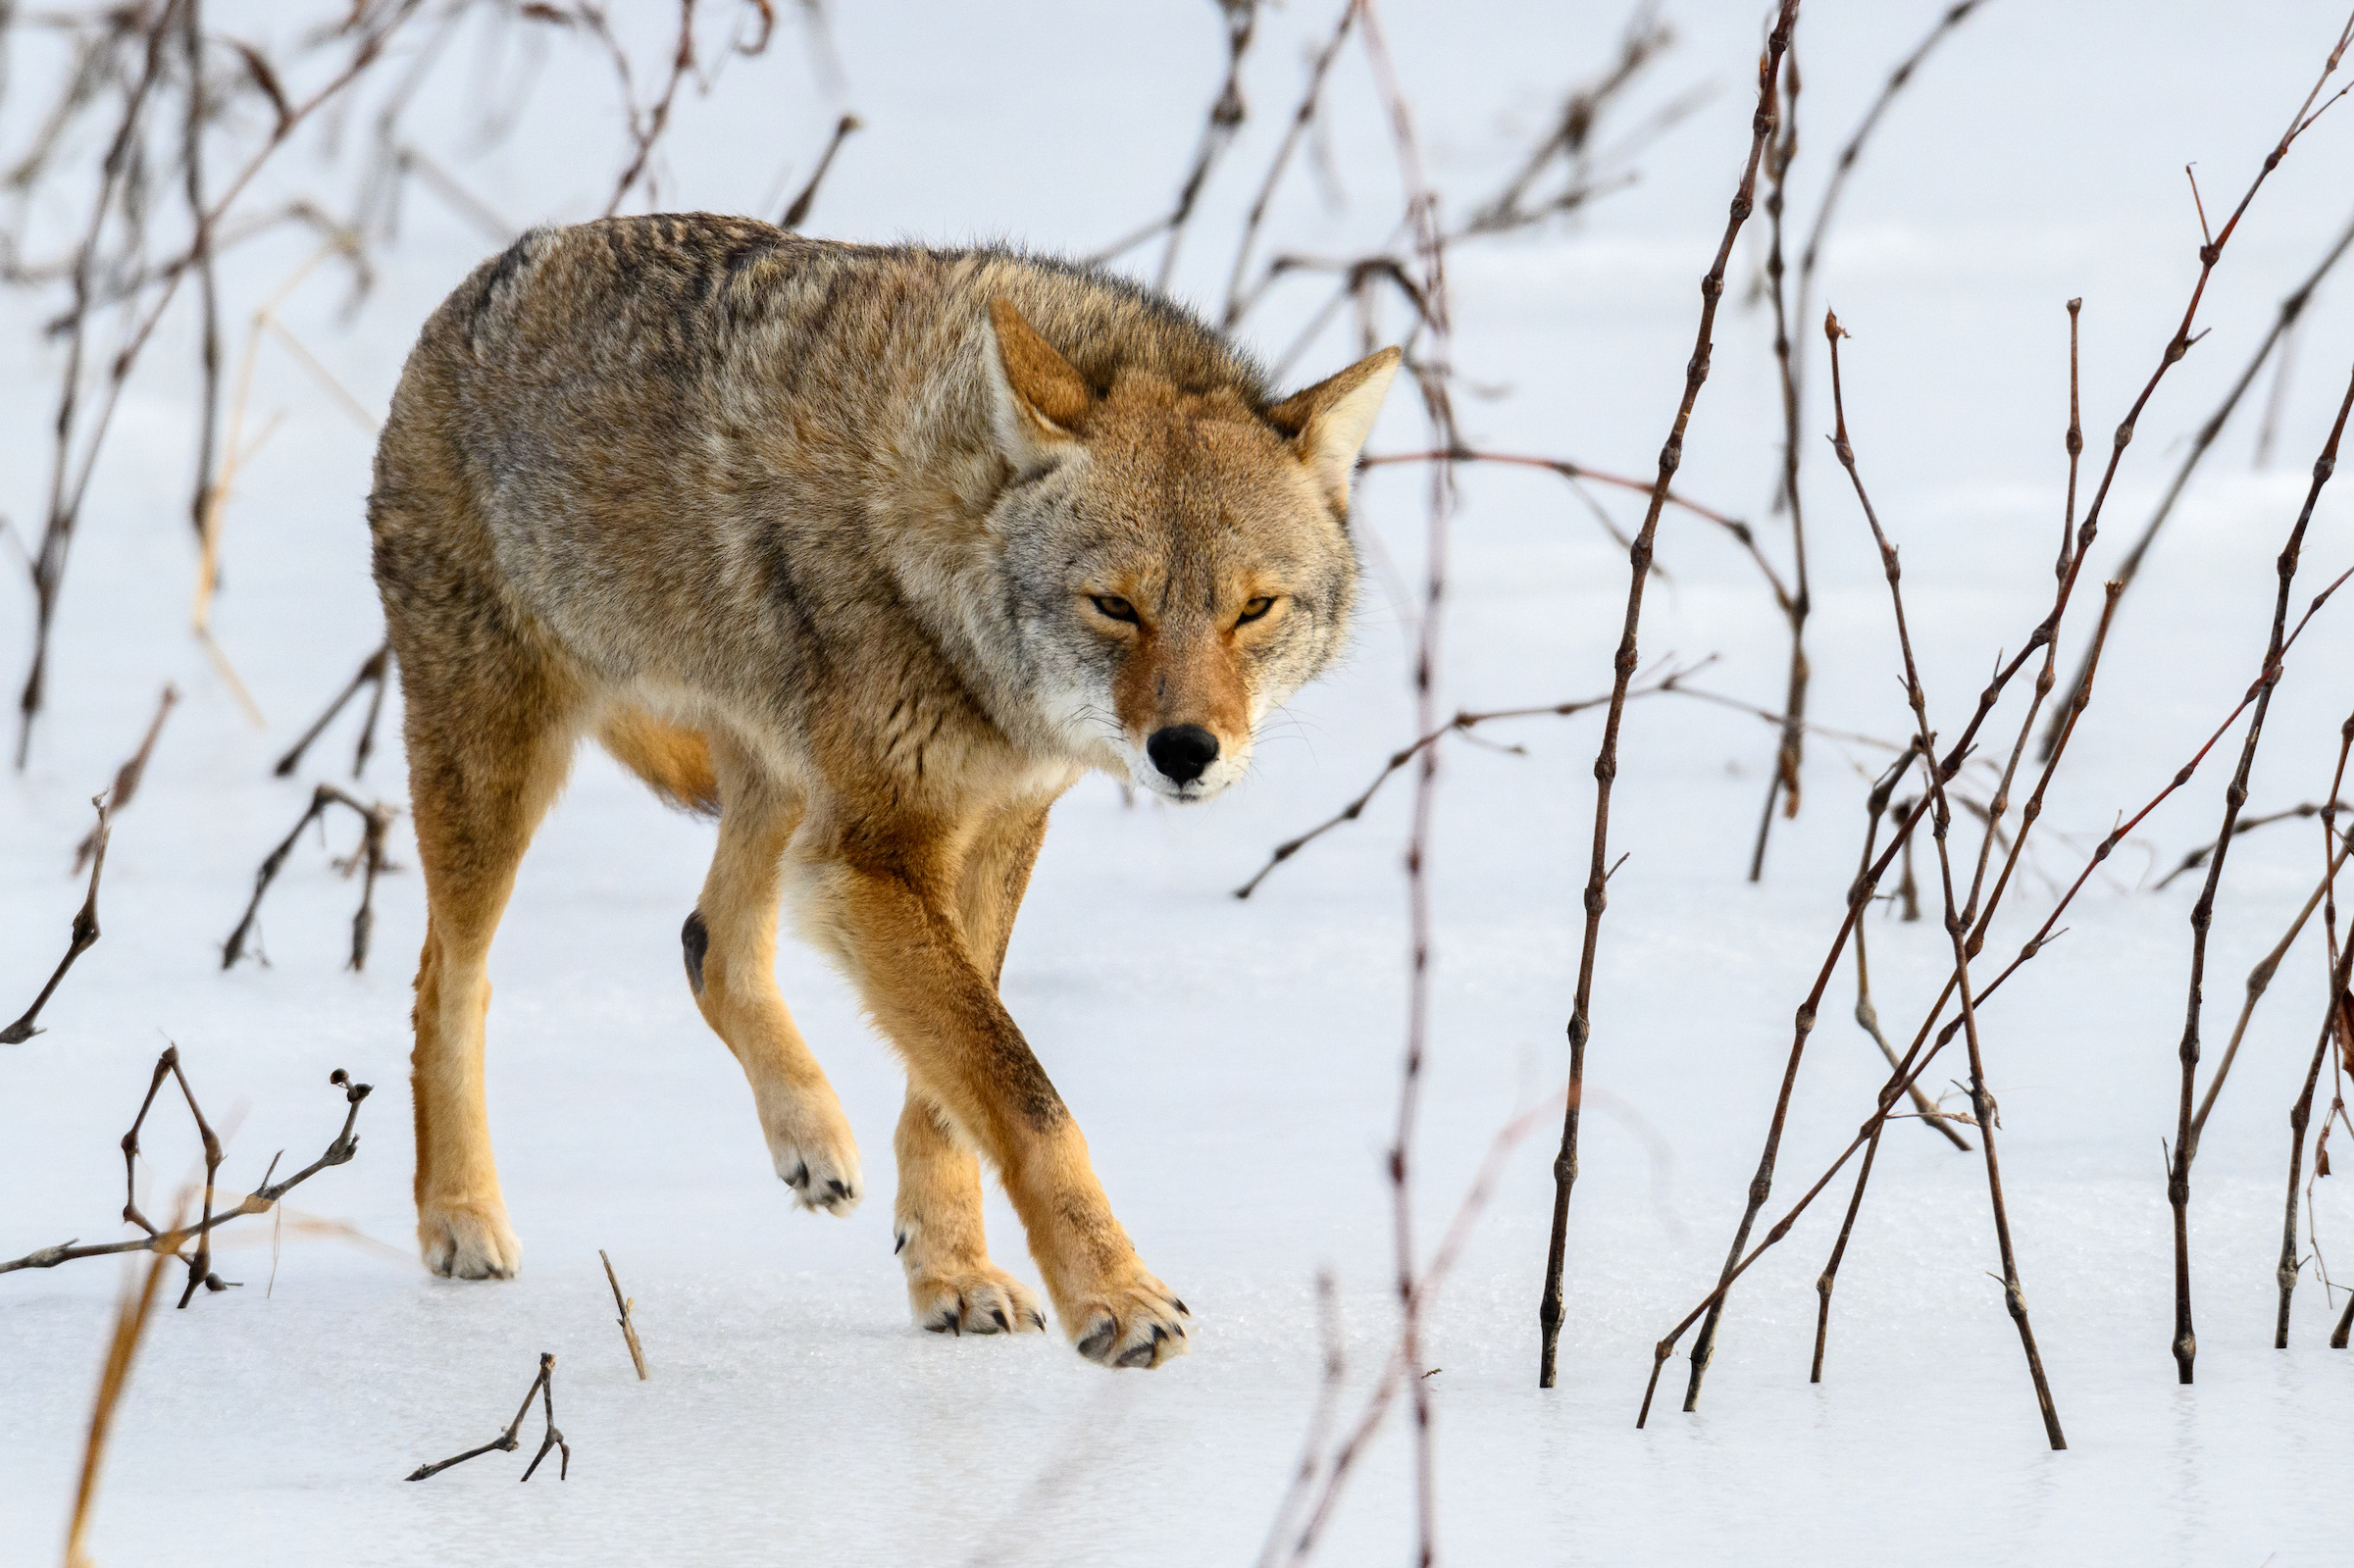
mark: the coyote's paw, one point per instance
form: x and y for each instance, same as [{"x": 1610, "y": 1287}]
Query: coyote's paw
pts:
[
  {"x": 972, "y": 1299},
  {"x": 1131, "y": 1320},
  {"x": 468, "y": 1240},
  {"x": 810, "y": 1140}
]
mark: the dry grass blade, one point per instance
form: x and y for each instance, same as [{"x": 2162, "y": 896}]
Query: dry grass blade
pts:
[{"x": 132, "y": 1312}]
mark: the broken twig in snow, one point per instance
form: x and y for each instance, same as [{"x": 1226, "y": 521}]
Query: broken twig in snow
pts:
[{"x": 544, "y": 1388}]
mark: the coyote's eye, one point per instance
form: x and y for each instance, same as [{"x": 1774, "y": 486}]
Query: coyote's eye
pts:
[
  {"x": 1253, "y": 609},
  {"x": 1113, "y": 607}
]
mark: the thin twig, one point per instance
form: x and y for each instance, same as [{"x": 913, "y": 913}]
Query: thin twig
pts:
[
  {"x": 2338, "y": 1023},
  {"x": 1783, "y": 786},
  {"x": 375, "y": 821},
  {"x": 127, "y": 777},
  {"x": 2202, "y": 913},
  {"x": 629, "y": 1329},
  {"x": 799, "y": 212},
  {"x": 85, "y": 932},
  {"x": 542, "y": 1388},
  {"x": 371, "y": 673},
  {"x": 171, "y": 1238},
  {"x": 1605, "y": 764}
]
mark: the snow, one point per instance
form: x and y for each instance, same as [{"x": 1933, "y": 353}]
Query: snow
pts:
[{"x": 1235, "y": 1064}]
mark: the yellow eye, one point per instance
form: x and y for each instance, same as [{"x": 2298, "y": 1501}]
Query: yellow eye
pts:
[
  {"x": 1113, "y": 607},
  {"x": 1254, "y": 609}
]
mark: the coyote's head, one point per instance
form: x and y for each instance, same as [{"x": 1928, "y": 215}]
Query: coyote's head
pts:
[{"x": 1180, "y": 562}]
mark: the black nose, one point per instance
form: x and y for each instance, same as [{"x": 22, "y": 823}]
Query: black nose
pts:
[{"x": 1183, "y": 751}]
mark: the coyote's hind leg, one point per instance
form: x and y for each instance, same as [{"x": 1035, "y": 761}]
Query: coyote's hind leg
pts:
[
  {"x": 952, "y": 1285},
  {"x": 488, "y": 749},
  {"x": 731, "y": 947}
]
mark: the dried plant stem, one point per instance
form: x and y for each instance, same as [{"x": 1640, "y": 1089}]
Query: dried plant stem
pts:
[
  {"x": 1606, "y": 763},
  {"x": 371, "y": 673},
  {"x": 798, "y": 213},
  {"x": 542, "y": 1389},
  {"x": 84, "y": 930},
  {"x": 1302, "y": 118},
  {"x": 2202, "y": 914},
  {"x": 1783, "y": 786},
  {"x": 200, "y": 248},
  {"x": 128, "y": 776},
  {"x": 376, "y": 821},
  {"x": 2337, "y": 1025},
  {"x": 1916, "y": 1061},
  {"x": 1460, "y": 722},
  {"x": 1320, "y": 1421},
  {"x": 2285, "y": 322},
  {"x": 2260, "y": 979},
  {"x": 1956, "y": 923},
  {"x": 623, "y": 1305},
  {"x": 1576, "y": 472},
  {"x": 2302, "y": 811},
  {"x": 1845, "y": 164},
  {"x": 171, "y": 1238},
  {"x": 1433, "y": 373}
]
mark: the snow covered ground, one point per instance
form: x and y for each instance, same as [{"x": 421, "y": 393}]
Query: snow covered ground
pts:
[{"x": 793, "y": 1413}]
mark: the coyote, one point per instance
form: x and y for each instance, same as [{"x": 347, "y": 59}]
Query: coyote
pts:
[{"x": 873, "y": 552}]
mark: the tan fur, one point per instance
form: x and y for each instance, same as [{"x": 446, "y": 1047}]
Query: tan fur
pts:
[{"x": 874, "y": 551}]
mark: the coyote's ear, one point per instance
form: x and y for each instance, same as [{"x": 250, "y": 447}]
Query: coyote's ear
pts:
[
  {"x": 1329, "y": 421},
  {"x": 1037, "y": 399}
]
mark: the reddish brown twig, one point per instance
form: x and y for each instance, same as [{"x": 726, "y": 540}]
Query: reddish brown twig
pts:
[
  {"x": 628, "y": 1328},
  {"x": 2246, "y": 824},
  {"x": 127, "y": 777},
  {"x": 168, "y": 1241},
  {"x": 1460, "y": 722},
  {"x": 2285, "y": 322},
  {"x": 85, "y": 932},
  {"x": 1574, "y": 471},
  {"x": 1844, "y": 165},
  {"x": 1790, "y": 755},
  {"x": 2338, "y": 1024},
  {"x": 368, "y": 858},
  {"x": 1433, "y": 373},
  {"x": 544, "y": 1388},
  {"x": 2260, "y": 979},
  {"x": 2202, "y": 914},
  {"x": 1956, "y": 923},
  {"x": 1916, "y": 1061},
  {"x": 1605, "y": 764}
]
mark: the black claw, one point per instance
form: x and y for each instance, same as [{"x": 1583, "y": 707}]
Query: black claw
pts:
[
  {"x": 899, "y": 1244},
  {"x": 799, "y": 1178},
  {"x": 1040, "y": 1320},
  {"x": 1158, "y": 1333},
  {"x": 942, "y": 1327},
  {"x": 840, "y": 1189},
  {"x": 1182, "y": 1307},
  {"x": 1000, "y": 1315}
]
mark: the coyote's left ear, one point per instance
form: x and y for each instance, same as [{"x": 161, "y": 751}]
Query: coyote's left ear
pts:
[
  {"x": 1037, "y": 398},
  {"x": 1329, "y": 421}
]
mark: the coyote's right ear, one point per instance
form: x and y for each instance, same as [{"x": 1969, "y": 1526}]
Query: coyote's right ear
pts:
[
  {"x": 1329, "y": 421},
  {"x": 1037, "y": 399}
]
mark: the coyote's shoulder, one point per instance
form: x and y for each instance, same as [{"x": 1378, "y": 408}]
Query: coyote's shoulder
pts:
[{"x": 873, "y": 551}]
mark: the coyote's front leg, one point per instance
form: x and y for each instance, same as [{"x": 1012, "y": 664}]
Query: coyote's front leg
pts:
[{"x": 895, "y": 928}]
